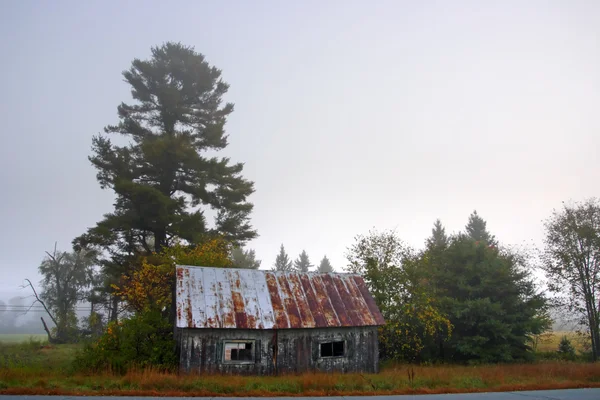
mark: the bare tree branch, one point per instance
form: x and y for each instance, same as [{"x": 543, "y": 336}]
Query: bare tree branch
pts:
[{"x": 38, "y": 300}]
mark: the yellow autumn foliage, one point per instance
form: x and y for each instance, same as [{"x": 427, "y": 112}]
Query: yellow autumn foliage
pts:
[{"x": 150, "y": 283}]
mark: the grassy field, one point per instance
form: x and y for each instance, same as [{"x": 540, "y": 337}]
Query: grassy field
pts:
[
  {"x": 550, "y": 341},
  {"x": 36, "y": 368},
  {"x": 20, "y": 337}
]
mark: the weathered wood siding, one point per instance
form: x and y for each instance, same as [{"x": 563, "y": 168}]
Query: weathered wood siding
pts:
[{"x": 297, "y": 350}]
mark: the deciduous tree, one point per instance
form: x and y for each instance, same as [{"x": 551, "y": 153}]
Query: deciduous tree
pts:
[
  {"x": 571, "y": 260},
  {"x": 148, "y": 286},
  {"x": 66, "y": 280},
  {"x": 399, "y": 282}
]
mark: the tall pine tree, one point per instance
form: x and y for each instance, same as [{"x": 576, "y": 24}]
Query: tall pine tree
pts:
[
  {"x": 325, "y": 265},
  {"x": 282, "y": 261},
  {"x": 162, "y": 178},
  {"x": 476, "y": 229},
  {"x": 302, "y": 264}
]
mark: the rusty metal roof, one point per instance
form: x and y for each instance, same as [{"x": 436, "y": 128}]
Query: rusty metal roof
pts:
[{"x": 255, "y": 299}]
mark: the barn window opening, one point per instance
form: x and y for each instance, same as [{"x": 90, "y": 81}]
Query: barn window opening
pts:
[
  {"x": 332, "y": 349},
  {"x": 240, "y": 351}
]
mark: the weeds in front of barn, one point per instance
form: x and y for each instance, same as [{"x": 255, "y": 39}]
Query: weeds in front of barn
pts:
[{"x": 36, "y": 368}]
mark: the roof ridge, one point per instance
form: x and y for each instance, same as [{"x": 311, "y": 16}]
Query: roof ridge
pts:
[{"x": 272, "y": 271}]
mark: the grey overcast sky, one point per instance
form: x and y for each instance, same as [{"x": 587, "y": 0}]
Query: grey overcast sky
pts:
[{"x": 348, "y": 114}]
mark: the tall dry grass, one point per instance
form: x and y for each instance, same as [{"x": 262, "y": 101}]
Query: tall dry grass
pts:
[{"x": 396, "y": 379}]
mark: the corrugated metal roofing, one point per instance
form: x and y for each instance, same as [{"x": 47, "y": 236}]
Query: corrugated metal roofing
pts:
[{"x": 253, "y": 299}]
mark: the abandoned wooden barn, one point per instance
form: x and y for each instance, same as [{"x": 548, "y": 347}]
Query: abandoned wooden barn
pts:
[{"x": 263, "y": 322}]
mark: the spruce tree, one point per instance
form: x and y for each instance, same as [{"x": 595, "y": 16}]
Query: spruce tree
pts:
[
  {"x": 302, "y": 264},
  {"x": 438, "y": 238},
  {"x": 162, "y": 178},
  {"x": 476, "y": 229},
  {"x": 282, "y": 261},
  {"x": 491, "y": 300},
  {"x": 325, "y": 266}
]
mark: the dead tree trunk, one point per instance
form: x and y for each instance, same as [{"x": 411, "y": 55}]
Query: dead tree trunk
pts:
[{"x": 51, "y": 340}]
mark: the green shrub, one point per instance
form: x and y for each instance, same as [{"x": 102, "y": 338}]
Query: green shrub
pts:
[
  {"x": 145, "y": 340},
  {"x": 547, "y": 356}
]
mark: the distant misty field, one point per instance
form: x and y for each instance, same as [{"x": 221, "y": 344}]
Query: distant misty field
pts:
[{"x": 21, "y": 337}]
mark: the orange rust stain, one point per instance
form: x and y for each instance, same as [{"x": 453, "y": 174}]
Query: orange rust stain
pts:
[
  {"x": 214, "y": 322},
  {"x": 323, "y": 300},
  {"x": 360, "y": 284},
  {"x": 305, "y": 311},
  {"x": 359, "y": 305},
  {"x": 336, "y": 301},
  {"x": 311, "y": 298},
  {"x": 347, "y": 302},
  {"x": 241, "y": 320},
  {"x": 228, "y": 320},
  {"x": 294, "y": 318},
  {"x": 238, "y": 302},
  {"x": 277, "y": 304},
  {"x": 251, "y": 321},
  {"x": 290, "y": 305},
  {"x": 229, "y": 315},
  {"x": 190, "y": 320}
]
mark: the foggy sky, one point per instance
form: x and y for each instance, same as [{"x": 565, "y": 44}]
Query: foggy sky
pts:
[{"x": 348, "y": 114}]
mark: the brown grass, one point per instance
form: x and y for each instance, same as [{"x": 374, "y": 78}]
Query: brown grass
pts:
[{"x": 392, "y": 380}]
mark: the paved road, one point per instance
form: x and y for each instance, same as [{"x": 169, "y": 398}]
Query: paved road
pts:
[{"x": 567, "y": 394}]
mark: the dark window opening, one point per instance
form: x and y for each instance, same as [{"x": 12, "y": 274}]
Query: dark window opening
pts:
[
  {"x": 332, "y": 349},
  {"x": 238, "y": 351}
]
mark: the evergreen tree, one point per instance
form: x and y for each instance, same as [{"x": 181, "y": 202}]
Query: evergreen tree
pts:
[
  {"x": 325, "y": 266},
  {"x": 476, "y": 230},
  {"x": 490, "y": 299},
  {"x": 438, "y": 239},
  {"x": 302, "y": 264},
  {"x": 565, "y": 348},
  {"x": 244, "y": 258},
  {"x": 282, "y": 262},
  {"x": 162, "y": 178}
]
